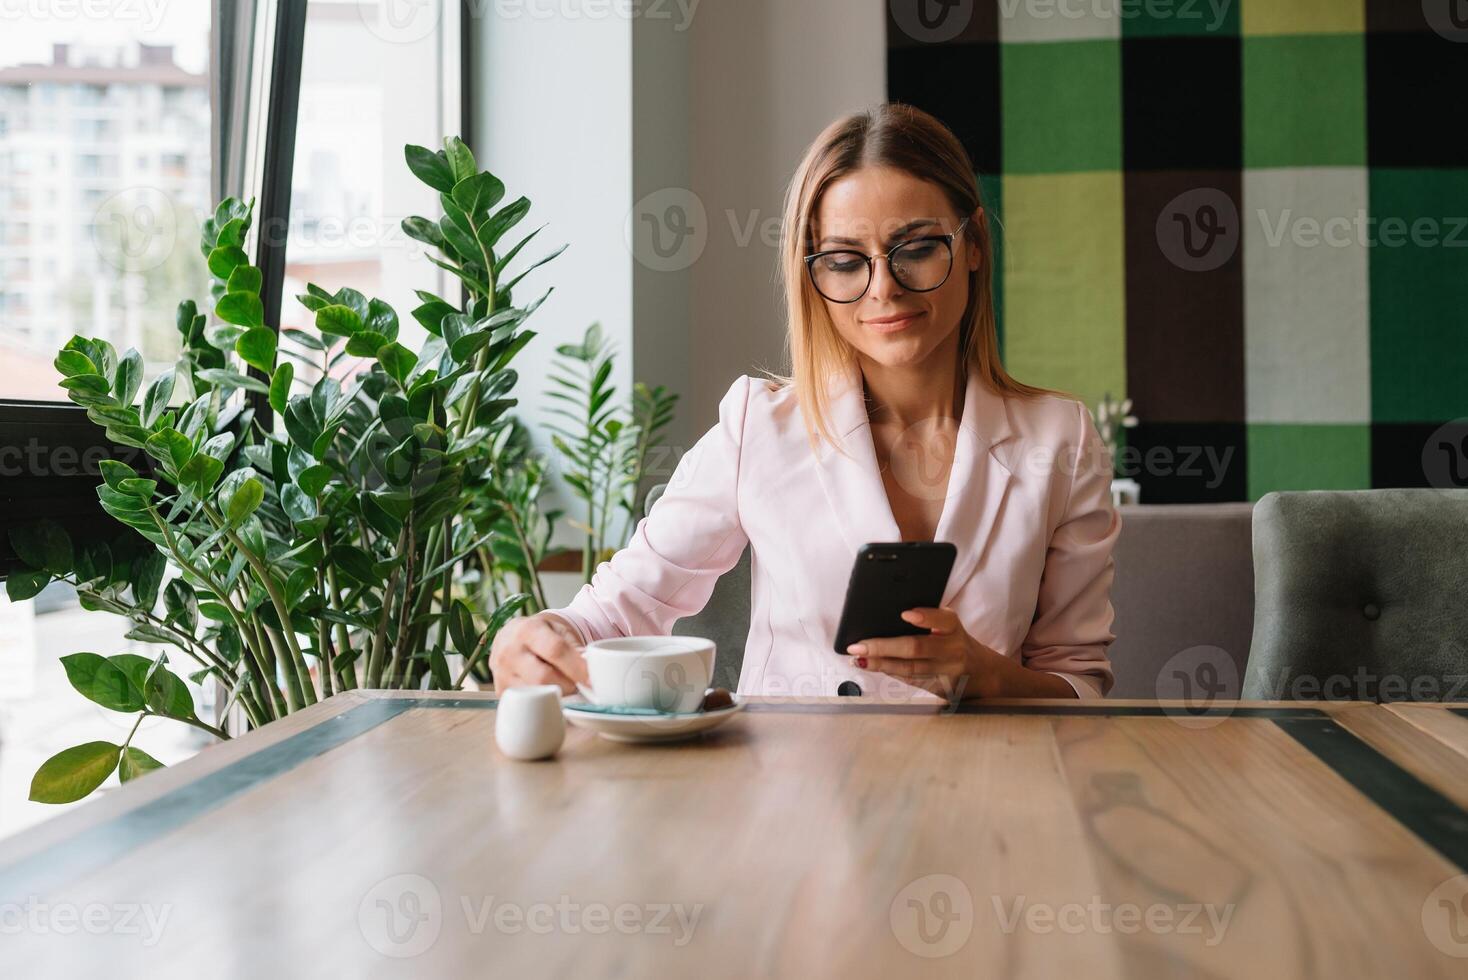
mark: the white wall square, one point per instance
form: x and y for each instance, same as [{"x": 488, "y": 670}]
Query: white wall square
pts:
[{"x": 1307, "y": 337}]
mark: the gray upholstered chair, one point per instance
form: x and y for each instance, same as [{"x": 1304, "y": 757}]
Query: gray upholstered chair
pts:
[
  {"x": 1360, "y": 595},
  {"x": 1184, "y": 600},
  {"x": 724, "y": 618}
]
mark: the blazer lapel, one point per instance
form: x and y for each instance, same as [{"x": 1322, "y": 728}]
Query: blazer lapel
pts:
[
  {"x": 849, "y": 477},
  {"x": 977, "y": 483}
]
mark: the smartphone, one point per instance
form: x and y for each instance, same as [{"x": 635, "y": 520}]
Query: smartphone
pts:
[{"x": 890, "y": 578}]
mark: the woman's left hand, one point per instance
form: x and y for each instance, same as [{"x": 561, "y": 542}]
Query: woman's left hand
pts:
[{"x": 948, "y": 662}]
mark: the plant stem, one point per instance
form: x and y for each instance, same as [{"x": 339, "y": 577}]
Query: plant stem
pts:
[
  {"x": 129, "y": 740},
  {"x": 347, "y": 675},
  {"x": 262, "y": 572},
  {"x": 201, "y": 725},
  {"x": 235, "y": 615}
]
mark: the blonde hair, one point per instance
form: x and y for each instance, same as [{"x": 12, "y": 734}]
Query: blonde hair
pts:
[{"x": 908, "y": 139}]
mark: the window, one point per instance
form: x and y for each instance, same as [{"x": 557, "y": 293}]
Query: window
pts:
[
  {"x": 105, "y": 174},
  {"x": 133, "y": 263},
  {"x": 351, "y": 189}
]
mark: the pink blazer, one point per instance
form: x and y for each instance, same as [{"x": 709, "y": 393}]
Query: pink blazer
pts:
[{"x": 1028, "y": 507}]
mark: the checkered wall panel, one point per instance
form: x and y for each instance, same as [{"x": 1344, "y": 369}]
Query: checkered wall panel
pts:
[{"x": 1249, "y": 216}]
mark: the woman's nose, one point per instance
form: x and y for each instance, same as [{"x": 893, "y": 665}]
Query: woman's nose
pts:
[{"x": 884, "y": 284}]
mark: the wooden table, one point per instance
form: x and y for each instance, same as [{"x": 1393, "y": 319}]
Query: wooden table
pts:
[{"x": 383, "y": 835}]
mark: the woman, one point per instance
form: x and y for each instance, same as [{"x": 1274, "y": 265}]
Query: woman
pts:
[{"x": 899, "y": 423}]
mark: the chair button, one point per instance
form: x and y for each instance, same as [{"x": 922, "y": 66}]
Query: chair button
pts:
[
  {"x": 1371, "y": 612},
  {"x": 849, "y": 689}
]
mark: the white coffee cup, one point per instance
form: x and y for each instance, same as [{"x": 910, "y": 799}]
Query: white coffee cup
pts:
[
  {"x": 528, "y": 723},
  {"x": 666, "y": 673}
]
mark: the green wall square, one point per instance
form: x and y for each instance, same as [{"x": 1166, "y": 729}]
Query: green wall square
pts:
[
  {"x": 1065, "y": 283},
  {"x": 1180, "y": 18},
  {"x": 1304, "y": 101},
  {"x": 1061, "y": 106},
  {"x": 1308, "y": 457},
  {"x": 1419, "y": 294}
]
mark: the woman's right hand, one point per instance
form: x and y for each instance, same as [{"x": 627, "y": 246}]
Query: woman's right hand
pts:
[{"x": 538, "y": 649}]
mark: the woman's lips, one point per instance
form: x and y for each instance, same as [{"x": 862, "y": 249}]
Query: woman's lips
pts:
[{"x": 893, "y": 323}]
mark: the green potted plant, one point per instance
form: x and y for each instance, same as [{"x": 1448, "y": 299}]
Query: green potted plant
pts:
[{"x": 328, "y": 549}]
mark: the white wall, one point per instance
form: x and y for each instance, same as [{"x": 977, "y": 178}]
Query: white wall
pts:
[
  {"x": 614, "y": 127},
  {"x": 767, "y": 77},
  {"x": 552, "y": 110}
]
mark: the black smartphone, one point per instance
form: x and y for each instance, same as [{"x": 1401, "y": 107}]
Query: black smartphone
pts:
[{"x": 890, "y": 578}]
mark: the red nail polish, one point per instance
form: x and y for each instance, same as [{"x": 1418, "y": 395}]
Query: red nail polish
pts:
[{"x": 861, "y": 662}]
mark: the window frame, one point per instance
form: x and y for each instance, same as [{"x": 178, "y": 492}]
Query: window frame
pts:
[{"x": 253, "y": 139}]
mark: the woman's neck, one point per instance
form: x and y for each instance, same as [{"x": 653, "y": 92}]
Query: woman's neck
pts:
[{"x": 911, "y": 393}]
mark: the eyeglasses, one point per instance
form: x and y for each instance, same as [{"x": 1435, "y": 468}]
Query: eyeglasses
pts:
[{"x": 919, "y": 265}]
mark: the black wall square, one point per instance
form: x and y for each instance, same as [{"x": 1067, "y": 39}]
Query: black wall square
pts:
[
  {"x": 1187, "y": 462},
  {"x": 958, "y": 83},
  {"x": 1415, "y": 110},
  {"x": 1182, "y": 103},
  {"x": 1413, "y": 454}
]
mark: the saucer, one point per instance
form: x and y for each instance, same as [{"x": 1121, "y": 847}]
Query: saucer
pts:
[{"x": 645, "y": 728}]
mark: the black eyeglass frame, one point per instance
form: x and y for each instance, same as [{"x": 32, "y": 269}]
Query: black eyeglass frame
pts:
[{"x": 948, "y": 239}]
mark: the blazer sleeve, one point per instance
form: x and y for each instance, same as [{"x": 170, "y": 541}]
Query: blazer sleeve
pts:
[
  {"x": 690, "y": 537},
  {"x": 1073, "y": 615}
]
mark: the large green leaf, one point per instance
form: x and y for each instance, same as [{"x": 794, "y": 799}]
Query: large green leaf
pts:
[
  {"x": 430, "y": 167},
  {"x": 135, "y": 762},
  {"x": 280, "y": 385},
  {"x": 101, "y": 681},
  {"x": 114, "y": 472},
  {"x": 243, "y": 501},
  {"x": 423, "y": 230},
  {"x": 200, "y": 473},
  {"x": 170, "y": 446},
  {"x": 244, "y": 279},
  {"x": 223, "y": 261},
  {"x": 72, "y": 773},
  {"x": 155, "y": 401},
  {"x": 147, "y": 577},
  {"x": 257, "y": 349},
  {"x": 240, "y": 309},
  {"x": 461, "y": 160},
  {"x": 338, "y": 319},
  {"x": 74, "y": 362},
  {"x": 129, "y": 377},
  {"x": 43, "y": 544},
  {"x": 504, "y": 219},
  {"x": 382, "y": 319},
  {"x": 163, "y": 691},
  {"x": 477, "y": 193},
  {"x": 181, "y": 604},
  {"x": 397, "y": 361},
  {"x": 25, "y": 584}
]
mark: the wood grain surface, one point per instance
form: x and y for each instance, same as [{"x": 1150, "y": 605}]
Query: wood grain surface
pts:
[{"x": 826, "y": 841}]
